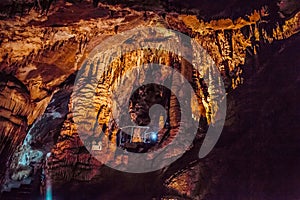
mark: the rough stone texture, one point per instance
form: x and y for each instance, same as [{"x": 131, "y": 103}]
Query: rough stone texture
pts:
[
  {"x": 40, "y": 51},
  {"x": 259, "y": 147},
  {"x": 15, "y": 107}
]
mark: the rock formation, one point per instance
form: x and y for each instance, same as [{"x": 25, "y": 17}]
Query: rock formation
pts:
[{"x": 44, "y": 43}]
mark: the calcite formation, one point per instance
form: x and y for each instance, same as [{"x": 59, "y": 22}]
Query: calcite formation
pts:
[{"x": 42, "y": 50}]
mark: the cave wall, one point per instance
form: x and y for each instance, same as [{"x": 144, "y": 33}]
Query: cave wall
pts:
[{"x": 40, "y": 51}]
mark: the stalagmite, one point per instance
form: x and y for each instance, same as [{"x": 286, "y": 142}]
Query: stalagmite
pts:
[{"x": 37, "y": 41}]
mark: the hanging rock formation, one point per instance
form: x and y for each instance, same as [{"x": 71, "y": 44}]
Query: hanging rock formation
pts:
[{"x": 43, "y": 44}]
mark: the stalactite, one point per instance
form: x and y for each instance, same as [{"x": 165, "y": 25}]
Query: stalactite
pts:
[
  {"x": 228, "y": 46},
  {"x": 14, "y": 109}
]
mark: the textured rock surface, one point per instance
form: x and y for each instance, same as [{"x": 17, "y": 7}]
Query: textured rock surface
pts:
[
  {"x": 14, "y": 109},
  {"x": 41, "y": 52},
  {"x": 259, "y": 148}
]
